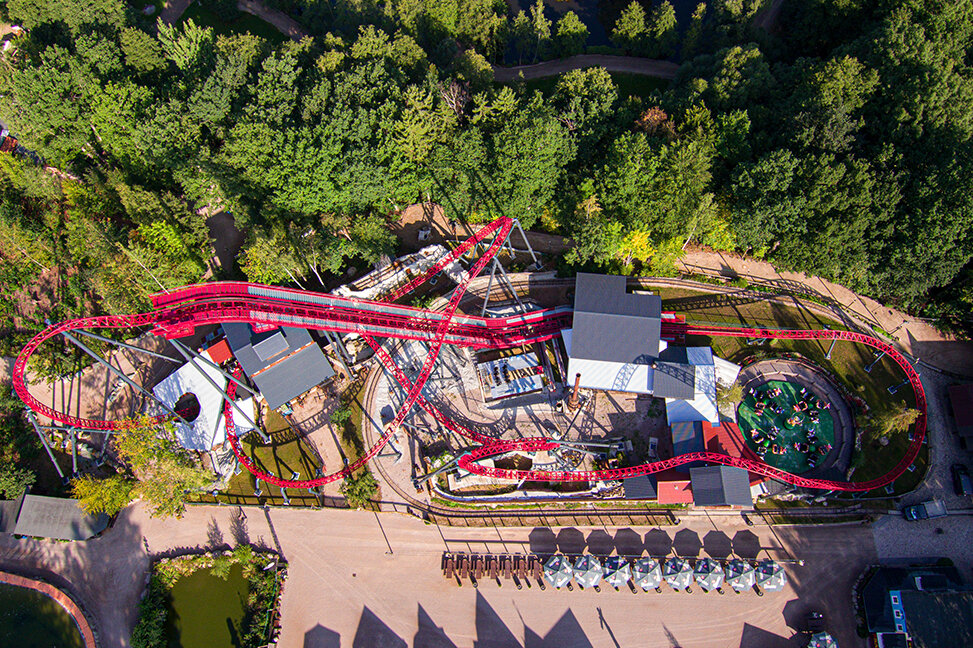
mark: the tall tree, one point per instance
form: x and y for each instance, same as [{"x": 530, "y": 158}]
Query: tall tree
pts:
[
  {"x": 572, "y": 34},
  {"x": 662, "y": 31},
  {"x": 630, "y": 30}
]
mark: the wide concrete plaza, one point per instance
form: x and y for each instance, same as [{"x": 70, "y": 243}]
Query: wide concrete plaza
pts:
[{"x": 361, "y": 579}]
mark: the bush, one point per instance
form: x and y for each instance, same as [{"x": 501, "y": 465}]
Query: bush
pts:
[
  {"x": 149, "y": 631},
  {"x": 340, "y": 415},
  {"x": 359, "y": 491}
]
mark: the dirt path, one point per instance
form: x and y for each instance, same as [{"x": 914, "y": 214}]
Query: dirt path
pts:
[
  {"x": 767, "y": 18},
  {"x": 284, "y": 23},
  {"x": 173, "y": 10},
  {"x": 627, "y": 64}
]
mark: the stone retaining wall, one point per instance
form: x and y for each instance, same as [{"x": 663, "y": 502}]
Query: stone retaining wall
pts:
[{"x": 65, "y": 601}]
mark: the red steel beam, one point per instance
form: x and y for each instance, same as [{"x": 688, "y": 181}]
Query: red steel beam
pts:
[{"x": 179, "y": 312}]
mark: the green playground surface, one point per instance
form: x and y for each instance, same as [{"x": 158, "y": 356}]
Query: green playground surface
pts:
[{"x": 792, "y": 426}]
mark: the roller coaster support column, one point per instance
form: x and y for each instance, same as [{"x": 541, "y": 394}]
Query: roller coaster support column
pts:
[
  {"x": 537, "y": 264},
  {"x": 486, "y": 297},
  {"x": 226, "y": 399},
  {"x": 40, "y": 433},
  {"x": 74, "y": 451},
  {"x": 895, "y": 388},
  {"x": 119, "y": 374},
  {"x": 126, "y": 346},
  {"x": 335, "y": 339},
  {"x": 827, "y": 356},
  {"x": 868, "y": 368},
  {"x": 510, "y": 286}
]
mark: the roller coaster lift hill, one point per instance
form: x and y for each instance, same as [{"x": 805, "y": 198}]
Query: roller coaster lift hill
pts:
[{"x": 177, "y": 313}]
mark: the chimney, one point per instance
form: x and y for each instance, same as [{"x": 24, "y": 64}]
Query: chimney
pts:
[{"x": 573, "y": 402}]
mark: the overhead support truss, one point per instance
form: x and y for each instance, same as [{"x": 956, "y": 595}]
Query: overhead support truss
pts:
[{"x": 178, "y": 312}]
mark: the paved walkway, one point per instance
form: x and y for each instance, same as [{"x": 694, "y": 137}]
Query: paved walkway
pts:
[
  {"x": 626, "y": 64},
  {"x": 358, "y": 579}
]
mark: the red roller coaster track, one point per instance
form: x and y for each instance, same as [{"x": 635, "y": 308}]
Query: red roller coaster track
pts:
[{"x": 179, "y": 312}]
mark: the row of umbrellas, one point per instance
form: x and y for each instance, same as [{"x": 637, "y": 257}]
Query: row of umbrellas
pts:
[{"x": 648, "y": 573}]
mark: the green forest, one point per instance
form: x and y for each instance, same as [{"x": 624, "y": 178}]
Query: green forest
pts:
[{"x": 838, "y": 144}]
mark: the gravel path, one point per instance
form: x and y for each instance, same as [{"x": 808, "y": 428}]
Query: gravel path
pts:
[{"x": 284, "y": 23}]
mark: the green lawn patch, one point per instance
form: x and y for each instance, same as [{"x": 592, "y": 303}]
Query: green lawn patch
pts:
[{"x": 791, "y": 426}]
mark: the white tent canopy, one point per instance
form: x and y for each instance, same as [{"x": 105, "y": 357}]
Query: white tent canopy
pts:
[
  {"x": 208, "y": 430},
  {"x": 709, "y": 370}
]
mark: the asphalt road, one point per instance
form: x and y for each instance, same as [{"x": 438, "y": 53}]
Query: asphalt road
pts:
[{"x": 346, "y": 589}]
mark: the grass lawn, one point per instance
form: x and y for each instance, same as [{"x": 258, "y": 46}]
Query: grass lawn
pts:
[
  {"x": 244, "y": 23},
  {"x": 717, "y": 308},
  {"x": 847, "y": 364}
]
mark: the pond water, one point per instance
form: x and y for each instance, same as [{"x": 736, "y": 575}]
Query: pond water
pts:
[
  {"x": 29, "y": 619},
  {"x": 207, "y": 611}
]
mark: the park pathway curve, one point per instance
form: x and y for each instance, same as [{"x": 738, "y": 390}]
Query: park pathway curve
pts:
[{"x": 626, "y": 64}]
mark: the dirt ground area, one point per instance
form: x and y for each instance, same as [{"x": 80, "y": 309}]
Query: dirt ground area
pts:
[
  {"x": 454, "y": 389},
  {"x": 428, "y": 214}
]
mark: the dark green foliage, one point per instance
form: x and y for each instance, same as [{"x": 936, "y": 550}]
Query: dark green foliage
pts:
[
  {"x": 360, "y": 488},
  {"x": 18, "y": 445},
  {"x": 262, "y": 597},
  {"x": 150, "y": 629},
  {"x": 572, "y": 34},
  {"x": 839, "y": 144}
]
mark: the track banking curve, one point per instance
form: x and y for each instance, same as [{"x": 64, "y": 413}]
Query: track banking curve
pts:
[{"x": 179, "y": 312}]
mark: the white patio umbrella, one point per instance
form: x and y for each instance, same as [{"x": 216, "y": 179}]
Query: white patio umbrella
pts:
[
  {"x": 678, "y": 573},
  {"x": 709, "y": 575},
  {"x": 822, "y": 640},
  {"x": 647, "y": 573},
  {"x": 770, "y": 576},
  {"x": 587, "y": 571},
  {"x": 617, "y": 571},
  {"x": 740, "y": 575},
  {"x": 558, "y": 571}
]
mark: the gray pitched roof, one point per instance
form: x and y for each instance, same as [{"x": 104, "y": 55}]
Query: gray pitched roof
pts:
[
  {"x": 597, "y": 293},
  {"x": 875, "y": 592},
  {"x": 672, "y": 380},
  {"x": 9, "y": 510},
  {"x": 641, "y": 487},
  {"x": 283, "y": 363},
  {"x": 935, "y": 619},
  {"x": 611, "y": 325},
  {"x": 56, "y": 517},
  {"x": 720, "y": 486}
]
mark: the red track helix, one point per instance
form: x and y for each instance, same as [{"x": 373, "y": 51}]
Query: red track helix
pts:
[{"x": 179, "y": 312}]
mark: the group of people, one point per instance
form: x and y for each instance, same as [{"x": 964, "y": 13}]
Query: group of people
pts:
[{"x": 768, "y": 441}]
